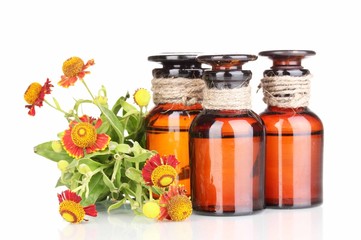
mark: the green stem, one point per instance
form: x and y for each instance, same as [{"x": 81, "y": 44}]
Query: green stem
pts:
[
  {"x": 51, "y": 105},
  {"x": 87, "y": 88},
  {"x": 150, "y": 194}
]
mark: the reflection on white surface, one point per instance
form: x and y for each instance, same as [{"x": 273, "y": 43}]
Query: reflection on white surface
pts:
[
  {"x": 297, "y": 223},
  {"x": 268, "y": 224}
]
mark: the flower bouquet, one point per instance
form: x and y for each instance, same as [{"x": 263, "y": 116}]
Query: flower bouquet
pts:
[{"x": 103, "y": 159}]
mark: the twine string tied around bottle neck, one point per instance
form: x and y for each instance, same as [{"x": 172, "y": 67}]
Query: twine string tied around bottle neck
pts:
[
  {"x": 227, "y": 99},
  {"x": 286, "y": 91},
  {"x": 187, "y": 91}
]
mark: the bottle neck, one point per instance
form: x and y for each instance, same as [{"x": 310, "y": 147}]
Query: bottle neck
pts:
[
  {"x": 179, "y": 107},
  {"x": 286, "y": 110},
  {"x": 286, "y": 72},
  {"x": 227, "y": 79}
]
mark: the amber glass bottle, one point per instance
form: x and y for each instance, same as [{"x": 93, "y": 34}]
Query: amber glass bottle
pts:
[
  {"x": 227, "y": 142},
  {"x": 294, "y": 134},
  {"x": 177, "y": 93}
]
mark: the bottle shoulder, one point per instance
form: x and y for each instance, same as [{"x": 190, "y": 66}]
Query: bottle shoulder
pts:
[
  {"x": 172, "y": 115},
  {"x": 289, "y": 119},
  {"x": 245, "y": 122}
]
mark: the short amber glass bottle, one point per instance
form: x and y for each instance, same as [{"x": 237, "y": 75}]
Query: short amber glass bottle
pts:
[
  {"x": 177, "y": 93},
  {"x": 227, "y": 142},
  {"x": 294, "y": 134}
]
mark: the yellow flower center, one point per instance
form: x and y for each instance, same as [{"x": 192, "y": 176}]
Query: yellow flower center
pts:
[
  {"x": 83, "y": 134},
  {"x": 163, "y": 175},
  {"x": 32, "y": 93},
  {"x": 151, "y": 209},
  {"x": 71, "y": 211},
  {"x": 142, "y": 97},
  {"x": 73, "y": 66},
  {"x": 179, "y": 208}
]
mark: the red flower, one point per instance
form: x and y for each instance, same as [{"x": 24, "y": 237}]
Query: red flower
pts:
[
  {"x": 35, "y": 95},
  {"x": 174, "y": 204},
  {"x": 73, "y": 69},
  {"x": 160, "y": 171},
  {"x": 82, "y": 137},
  {"x": 70, "y": 208}
]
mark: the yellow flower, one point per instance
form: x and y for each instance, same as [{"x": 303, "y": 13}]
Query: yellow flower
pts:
[
  {"x": 74, "y": 69},
  {"x": 174, "y": 204},
  {"x": 179, "y": 208},
  {"x": 151, "y": 209},
  {"x": 160, "y": 171},
  {"x": 70, "y": 208},
  {"x": 82, "y": 137},
  {"x": 35, "y": 95},
  {"x": 141, "y": 97}
]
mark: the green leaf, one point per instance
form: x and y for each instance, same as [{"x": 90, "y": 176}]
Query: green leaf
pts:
[
  {"x": 116, "y": 205},
  {"x": 127, "y": 106},
  {"x": 92, "y": 164},
  {"x": 117, "y": 172},
  {"x": 47, "y": 151},
  {"x": 134, "y": 174},
  {"x": 98, "y": 154},
  {"x": 97, "y": 189},
  {"x": 114, "y": 122},
  {"x": 123, "y": 148},
  {"x": 57, "y": 105},
  {"x": 117, "y": 105},
  {"x": 138, "y": 159},
  {"x": 130, "y": 113},
  {"x": 109, "y": 183}
]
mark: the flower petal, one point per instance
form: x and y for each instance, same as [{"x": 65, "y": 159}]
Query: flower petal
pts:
[
  {"x": 70, "y": 147},
  {"x": 100, "y": 144},
  {"x": 67, "y": 81},
  {"x": 91, "y": 210}
]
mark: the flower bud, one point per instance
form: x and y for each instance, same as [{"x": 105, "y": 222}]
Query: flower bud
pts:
[
  {"x": 142, "y": 97},
  {"x": 56, "y": 146},
  {"x": 84, "y": 169},
  {"x": 101, "y": 100},
  {"x": 62, "y": 165},
  {"x": 151, "y": 209}
]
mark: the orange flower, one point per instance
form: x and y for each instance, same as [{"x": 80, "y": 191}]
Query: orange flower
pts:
[
  {"x": 73, "y": 69},
  {"x": 174, "y": 204},
  {"x": 82, "y": 137},
  {"x": 70, "y": 208},
  {"x": 35, "y": 95},
  {"x": 160, "y": 171}
]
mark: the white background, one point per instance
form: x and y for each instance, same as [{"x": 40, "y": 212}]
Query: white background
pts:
[{"x": 37, "y": 36}]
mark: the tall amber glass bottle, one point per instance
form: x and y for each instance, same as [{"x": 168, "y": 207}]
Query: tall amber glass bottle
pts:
[
  {"x": 177, "y": 93},
  {"x": 294, "y": 134},
  {"x": 227, "y": 142}
]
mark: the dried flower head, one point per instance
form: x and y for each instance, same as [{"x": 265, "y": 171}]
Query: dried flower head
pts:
[
  {"x": 174, "y": 204},
  {"x": 35, "y": 95},
  {"x": 74, "y": 69}
]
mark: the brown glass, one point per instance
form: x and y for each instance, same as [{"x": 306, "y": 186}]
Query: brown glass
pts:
[
  {"x": 294, "y": 138},
  {"x": 227, "y": 148},
  {"x": 167, "y": 124}
]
